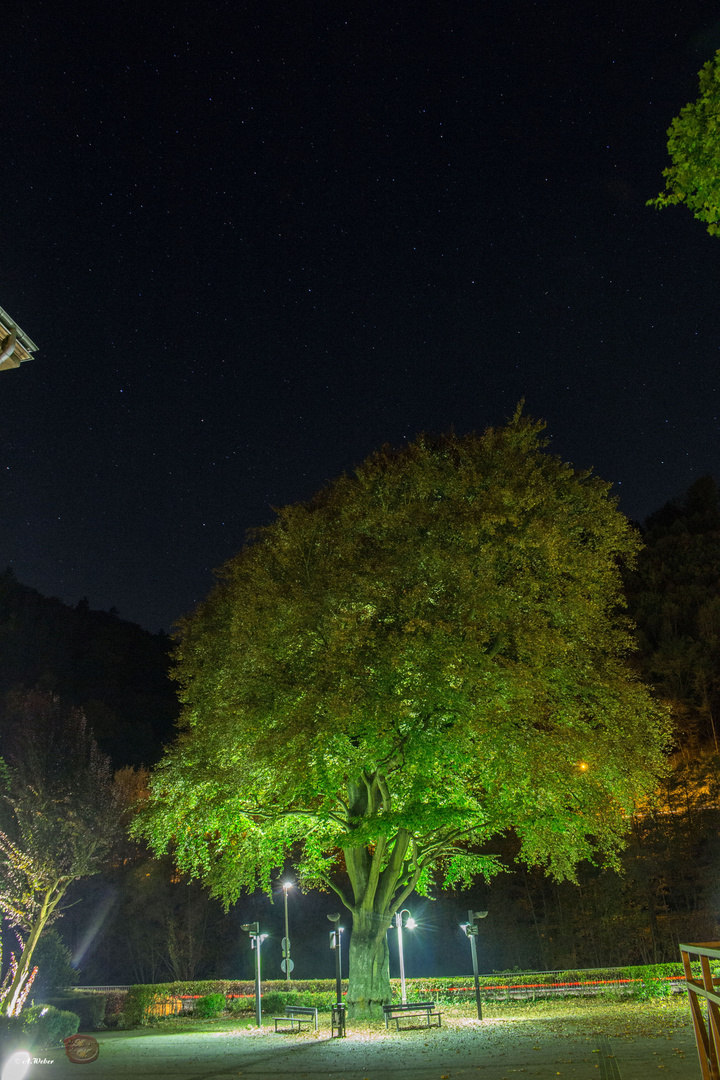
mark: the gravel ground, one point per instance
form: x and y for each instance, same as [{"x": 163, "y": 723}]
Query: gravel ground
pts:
[{"x": 575, "y": 1040}]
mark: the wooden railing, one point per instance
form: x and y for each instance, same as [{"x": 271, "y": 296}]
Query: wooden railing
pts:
[{"x": 707, "y": 1036}]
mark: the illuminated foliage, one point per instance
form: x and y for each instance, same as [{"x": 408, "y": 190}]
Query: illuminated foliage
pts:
[
  {"x": 694, "y": 147},
  {"x": 421, "y": 658},
  {"x": 60, "y": 817}
]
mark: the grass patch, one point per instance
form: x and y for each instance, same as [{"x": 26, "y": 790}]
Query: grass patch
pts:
[{"x": 577, "y": 1016}]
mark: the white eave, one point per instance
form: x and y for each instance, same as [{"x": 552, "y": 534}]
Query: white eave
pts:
[{"x": 15, "y": 345}]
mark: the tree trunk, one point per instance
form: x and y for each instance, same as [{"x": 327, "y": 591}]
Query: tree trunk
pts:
[
  {"x": 23, "y": 971},
  {"x": 382, "y": 876},
  {"x": 369, "y": 984},
  {"x": 14, "y": 998}
]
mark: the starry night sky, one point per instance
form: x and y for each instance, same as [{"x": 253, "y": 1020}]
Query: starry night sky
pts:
[{"x": 255, "y": 241}]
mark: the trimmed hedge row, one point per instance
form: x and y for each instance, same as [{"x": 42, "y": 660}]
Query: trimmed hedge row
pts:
[
  {"x": 89, "y": 1008},
  {"x": 142, "y": 1000}
]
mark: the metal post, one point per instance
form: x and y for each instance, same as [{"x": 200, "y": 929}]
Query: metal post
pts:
[
  {"x": 336, "y": 944},
  {"x": 286, "y": 949},
  {"x": 473, "y": 950},
  {"x": 338, "y": 965},
  {"x": 403, "y": 990},
  {"x": 471, "y": 929},
  {"x": 257, "y": 941}
]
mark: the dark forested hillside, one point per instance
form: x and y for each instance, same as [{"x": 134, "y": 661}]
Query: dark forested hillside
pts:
[
  {"x": 674, "y": 598},
  {"x": 114, "y": 670}
]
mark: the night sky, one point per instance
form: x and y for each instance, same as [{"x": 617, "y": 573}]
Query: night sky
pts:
[{"x": 255, "y": 241}]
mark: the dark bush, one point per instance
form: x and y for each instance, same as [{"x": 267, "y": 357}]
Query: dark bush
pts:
[
  {"x": 54, "y": 963},
  {"x": 89, "y": 1007}
]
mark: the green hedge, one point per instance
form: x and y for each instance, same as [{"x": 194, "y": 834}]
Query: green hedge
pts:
[
  {"x": 631, "y": 979},
  {"x": 274, "y": 1002},
  {"x": 139, "y": 1000},
  {"x": 114, "y": 1002},
  {"x": 90, "y": 1008},
  {"x": 321, "y": 992}
]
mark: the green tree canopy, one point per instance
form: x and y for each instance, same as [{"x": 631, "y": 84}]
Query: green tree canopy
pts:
[
  {"x": 694, "y": 148},
  {"x": 426, "y": 655}
]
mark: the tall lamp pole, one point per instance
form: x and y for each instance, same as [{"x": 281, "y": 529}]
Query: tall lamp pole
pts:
[
  {"x": 287, "y": 964},
  {"x": 471, "y": 930},
  {"x": 410, "y": 924},
  {"x": 336, "y": 944},
  {"x": 256, "y": 940}
]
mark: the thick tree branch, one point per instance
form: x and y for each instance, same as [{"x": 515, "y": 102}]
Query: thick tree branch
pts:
[{"x": 393, "y": 870}]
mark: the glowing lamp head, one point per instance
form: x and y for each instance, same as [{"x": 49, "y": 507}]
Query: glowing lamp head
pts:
[
  {"x": 582, "y": 766},
  {"x": 17, "y": 1066},
  {"x": 410, "y": 924},
  {"x": 287, "y": 885}
]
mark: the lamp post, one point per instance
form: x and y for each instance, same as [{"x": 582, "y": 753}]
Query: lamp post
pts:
[
  {"x": 471, "y": 930},
  {"x": 336, "y": 944},
  {"x": 256, "y": 940},
  {"x": 410, "y": 924},
  {"x": 287, "y": 965}
]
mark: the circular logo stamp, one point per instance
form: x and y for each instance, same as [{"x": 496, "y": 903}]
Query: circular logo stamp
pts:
[{"x": 81, "y": 1049}]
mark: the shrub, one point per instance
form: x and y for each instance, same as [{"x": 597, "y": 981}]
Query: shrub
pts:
[
  {"x": 89, "y": 1007},
  {"x": 209, "y": 1006},
  {"x": 650, "y": 991},
  {"x": 46, "y": 1026},
  {"x": 241, "y": 1005},
  {"x": 275, "y": 1002}
]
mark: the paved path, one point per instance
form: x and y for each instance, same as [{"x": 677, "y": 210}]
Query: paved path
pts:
[{"x": 463, "y": 1050}]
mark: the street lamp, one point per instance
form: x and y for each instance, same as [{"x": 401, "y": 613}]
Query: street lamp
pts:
[
  {"x": 471, "y": 930},
  {"x": 256, "y": 940},
  {"x": 410, "y": 925},
  {"x": 287, "y": 965},
  {"x": 338, "y": 1018}
]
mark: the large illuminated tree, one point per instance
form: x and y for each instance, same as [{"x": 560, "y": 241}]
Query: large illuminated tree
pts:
[
  {"x": 425, "y": 656},
  {"x": 694, "y": 148}
]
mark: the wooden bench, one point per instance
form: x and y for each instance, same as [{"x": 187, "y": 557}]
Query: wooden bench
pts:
[
  {"x": 410, "y": 1011},
  {"x": 298, "y": 1014}
]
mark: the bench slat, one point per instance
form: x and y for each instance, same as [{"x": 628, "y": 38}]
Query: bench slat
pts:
[
  {"x": 409, "y": 1011},
  {"x": 298, "y": 1014}
]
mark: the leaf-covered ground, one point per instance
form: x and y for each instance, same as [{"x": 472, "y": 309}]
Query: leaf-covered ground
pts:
[{"x": 573, "y": 1038}]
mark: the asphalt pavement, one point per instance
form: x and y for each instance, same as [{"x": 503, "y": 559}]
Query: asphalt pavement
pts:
[{"x": 458, "y": 1051}]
